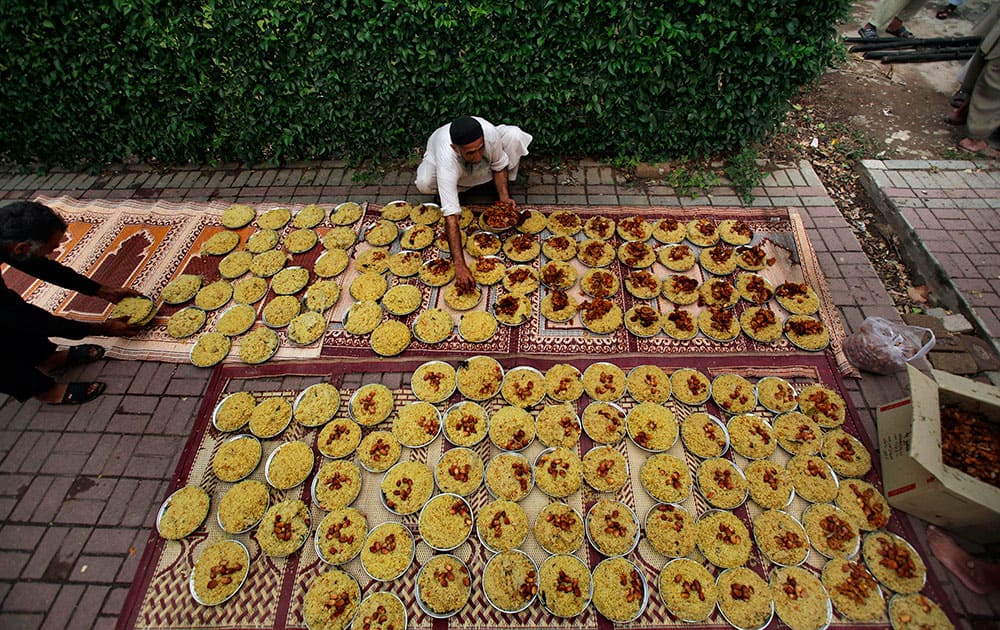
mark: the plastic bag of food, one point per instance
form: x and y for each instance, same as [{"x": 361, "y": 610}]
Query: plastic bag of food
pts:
[{"x": 884, "y": 347}]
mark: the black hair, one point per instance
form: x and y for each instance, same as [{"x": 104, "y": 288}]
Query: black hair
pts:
[
  {"x": 465, "y": 130},
  {"x": 29, "y": 221}
]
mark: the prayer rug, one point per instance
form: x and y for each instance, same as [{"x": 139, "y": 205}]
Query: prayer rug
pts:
[
  {"x": 145, "y": 245},
  {"x": 272, "y": 596}
]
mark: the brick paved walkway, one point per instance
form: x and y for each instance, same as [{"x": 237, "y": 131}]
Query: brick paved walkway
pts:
[{"x": 80, "y": 486}]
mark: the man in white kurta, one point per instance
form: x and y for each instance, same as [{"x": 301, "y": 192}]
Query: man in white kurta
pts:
[{"x": 469, "y": 152}]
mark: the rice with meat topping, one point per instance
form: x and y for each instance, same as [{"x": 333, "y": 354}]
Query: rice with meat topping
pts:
[
  {"x": 776, "y": 394},
  {"x": 337, "y": 484},
  {"x": 331, "y": 601},
  {"x": 722, "y": 483},
  {"x": 648, "y": 383},
  {"x": 619, "y": 590},
  {"x": 371, "y": 404},
  {"x": 704, "y": 435},
  {"x": 220, "y": 571},
  {"x": 666, "y": 478},
  {"x": 479, "y": 377},
  {"x": 564, "y": 585},
  {"x": 751, "y": 436},
  {"x": 339, "y": 438},
  {"x": 523, "y": 386},
  {"x": 823, "y": 405},
  {"x": 687, "y": 589},
  {"x": 284, "y": 528},
  {"x": 604, "y": 422},
  {"x": 434, "y": 381},
  {"x": 612, "y": 527},
  {"x": 813, "y": 479},
  {"x": 769, "y": 483},
  {"x": 605, "y": 469},
  {"x": 744, "y": 598},
  {"x": 511, "y": 428},
  {"x": 563, "y": 382},
  {"x": 800, "y": 599},
  {"x": 854, "y": 591},
  {"x": 388, "y": 551},
  {"x": 733, "y": 393},
  {"x": 558, "y": 472},
  {"x": 670, "y": 529},
  {"x": 916, "y": 612},
  {"x": 604, "y": 381},
  {"x": 558, "y": 425},
  {"x": 652, "y": 426},
  {"x": 846, "y": 454},
  {"x": 459, "y": 471},
  {"x": 724, "y": 539},
  {"x": 831, "y": 531},
  {"x": 864, "y": 503},
  {"x": 407, "y": 486},
  {"x": 378, "y": 451},
  {"x": 510, "y": 581},
  {"x": 416, "y": 424},
  {"x": 690, "y": 386},
  {"x": 444, "y": 585},
  {"x": 509, "y": 476},
  {"x": 797, "y": 433},
  {"x": 382, "y": 611},
  {"x": 558, "y": 528},
  {"x": 502, "y": 525},
  {"x": 466, "y": 424},
  {"x": 340, "y": 535},
  {"x": 782, "y": 539}
]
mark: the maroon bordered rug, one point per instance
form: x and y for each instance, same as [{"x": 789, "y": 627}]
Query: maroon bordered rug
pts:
[{"x": 272, "y": 597}]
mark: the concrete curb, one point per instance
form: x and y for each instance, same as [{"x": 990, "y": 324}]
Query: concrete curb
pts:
[{"x": 913, "y": 249}]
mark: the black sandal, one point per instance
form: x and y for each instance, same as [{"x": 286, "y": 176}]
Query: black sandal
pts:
[
  {"x": 946, "y": 12},
  {"x": 83, "y": 354},
  {"x": 902, "y": 32},
  {"x": 959, "y": 98},
  {"x": 79, "y": 393}
]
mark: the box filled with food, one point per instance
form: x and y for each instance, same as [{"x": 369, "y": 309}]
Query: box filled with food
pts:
[{"x": 940, "y": 451}]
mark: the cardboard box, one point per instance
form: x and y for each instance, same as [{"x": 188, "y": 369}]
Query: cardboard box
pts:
[{"x": 915, "y": 478}]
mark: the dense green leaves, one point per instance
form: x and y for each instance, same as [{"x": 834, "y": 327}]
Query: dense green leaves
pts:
[{"x": 194, "y": 80}]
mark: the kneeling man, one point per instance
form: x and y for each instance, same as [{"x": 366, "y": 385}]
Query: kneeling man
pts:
[
  {"x": 29, "y": 232},
  {"x": 469, "y": 152}
]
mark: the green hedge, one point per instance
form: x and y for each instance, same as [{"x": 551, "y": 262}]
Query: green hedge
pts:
[{"x": 97, "y": 81}]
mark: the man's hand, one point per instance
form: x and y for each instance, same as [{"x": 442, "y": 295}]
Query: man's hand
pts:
[
  {"x": 509, "y": 201},
  {"x": 118, "y": 327},
  {"x": 463, "y": 277},
  {"x": 116, "y": 294}
]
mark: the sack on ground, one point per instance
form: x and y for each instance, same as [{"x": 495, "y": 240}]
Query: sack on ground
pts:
[{"x": 884, "y": 347}]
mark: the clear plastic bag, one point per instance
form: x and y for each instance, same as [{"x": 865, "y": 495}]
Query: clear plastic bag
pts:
[{"x": 885, "y": 347}]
